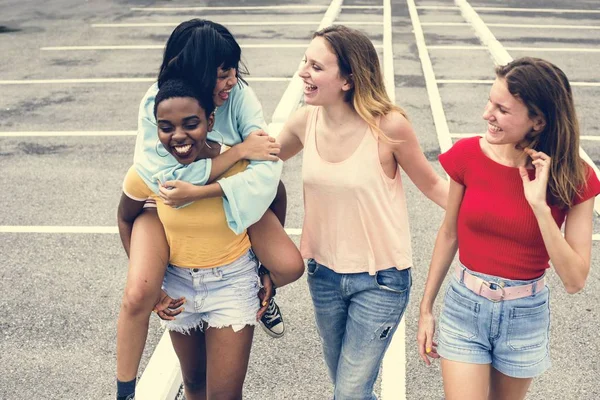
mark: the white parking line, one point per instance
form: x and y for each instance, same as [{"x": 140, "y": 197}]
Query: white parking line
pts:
[
  {"x": 435, "y": 100},
  {"x": 120, "y": 80},
  {"x": 489, "y": 82},
  {"x": 160, "y": 47},
  {"x": 513, "y": 9},
  {"x": 252, "y": 8},
  {"x": 586, "y": 27},
  {"x": 84, "y": 229},
  {"x": 596, "y": 236},
  {"x": 548, "y": 49},
  {"x": 500, "y": 54},
  {"x": 234, "y": 23},
  {"x": 67, "y": 133},
  {"x": 393, "y": 370}
]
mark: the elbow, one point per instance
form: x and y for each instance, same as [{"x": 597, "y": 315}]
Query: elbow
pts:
[{"x": 576, "y": 286}]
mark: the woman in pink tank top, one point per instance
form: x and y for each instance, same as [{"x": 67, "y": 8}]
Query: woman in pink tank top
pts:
[{"x": 355, "y": 235}]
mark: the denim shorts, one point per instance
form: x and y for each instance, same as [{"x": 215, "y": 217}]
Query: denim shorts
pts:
[
  {"x": 512, "y": 335},
  {"x": 220, "y": 297}
]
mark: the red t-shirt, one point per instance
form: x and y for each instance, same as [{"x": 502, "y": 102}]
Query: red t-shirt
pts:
[{"x": 498, "y": 233}]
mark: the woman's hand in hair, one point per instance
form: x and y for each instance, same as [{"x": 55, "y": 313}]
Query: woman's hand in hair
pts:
[
  {"x": 536, "y": 190},
  {"x": 259, "y": 146}
]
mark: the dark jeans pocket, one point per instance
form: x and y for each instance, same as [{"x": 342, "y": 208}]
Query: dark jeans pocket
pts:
[
  {"x": 394, "y": 280},
  {"x": 528, "y": 326},
  {"x": 460, "y": 315},
  {"x": 312, "y": 267}
]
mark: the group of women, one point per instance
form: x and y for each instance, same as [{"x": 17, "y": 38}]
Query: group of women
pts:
[{"x": 202, "y": 214}]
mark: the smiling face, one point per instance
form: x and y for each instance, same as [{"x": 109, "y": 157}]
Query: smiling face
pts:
[
  {"x": 507, "y": 116},
  {"x": 226, "y": 80},
  {"x": 320, "y": 72},
  {"x": 182, "y": 127}
]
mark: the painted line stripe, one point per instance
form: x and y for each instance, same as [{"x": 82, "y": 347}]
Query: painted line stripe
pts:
[
  {"x": 489, "y": 82},
  {"x": 162, "y": 377},
  {"x": 120, "y": 80},
  {"x": 236, "y": 23},
  {"x": 468, "y": 135},
  {"x": 596, "y": 236},
  {"x": 587, "y": 27},
  {"x": 67, "y": 133},
  {"x": 513, "y": 9},
  {"x": 160, "y": 47},
  {"x": 435, "y": 100},
  {"x": 84, "y": 229},
  {"x": 542, "y": 49},
  {"x": 294, "y": 92},
  {"x": 393, "y": 370},
  {"x": 249, "y": 8},
  {"x": 501, "y": 56}
]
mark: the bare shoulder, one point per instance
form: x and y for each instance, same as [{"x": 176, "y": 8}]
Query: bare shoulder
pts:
[
  {"x": 298, "y": 121},
  {"x": 395, "y": 126}
]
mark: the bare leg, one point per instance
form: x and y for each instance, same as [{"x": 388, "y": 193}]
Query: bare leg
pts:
[
  {"x": 227, "y": 355},
  {"x": 463, "y": 381},
  {"x": 191, "y": 351},
  {"x": 149, "y": 256},
  {"x": 503, "y": 387},
  {"x": 275, "y": 250}
]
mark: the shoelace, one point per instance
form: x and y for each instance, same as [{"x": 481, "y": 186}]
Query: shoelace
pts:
[{"x": 271, "y": 314}]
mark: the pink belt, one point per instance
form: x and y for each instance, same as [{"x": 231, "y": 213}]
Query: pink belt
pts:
[{"x": 483, "y": 288}]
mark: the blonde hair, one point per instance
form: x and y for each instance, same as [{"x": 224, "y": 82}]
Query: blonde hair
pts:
[
  {"x": 359, "y": 64},
  {"x": 546, "y": 92}
]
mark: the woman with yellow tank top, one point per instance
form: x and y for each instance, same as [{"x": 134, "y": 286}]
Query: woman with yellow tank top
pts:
[{"x": 210, "y": 266}]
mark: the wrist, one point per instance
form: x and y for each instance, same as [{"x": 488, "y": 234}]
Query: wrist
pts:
[
  {"x": 240, "y": 151},
  {"x": 540, "y": 209},
  {"x": 426, "y": 308}
]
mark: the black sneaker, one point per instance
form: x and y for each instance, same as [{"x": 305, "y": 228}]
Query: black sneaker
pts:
[
  {"x": 272, "y": 321},
  {"x": 130, "y": 397}
]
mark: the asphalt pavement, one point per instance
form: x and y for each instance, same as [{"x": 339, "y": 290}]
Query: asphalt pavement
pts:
[{"x": 61, "y": 291}]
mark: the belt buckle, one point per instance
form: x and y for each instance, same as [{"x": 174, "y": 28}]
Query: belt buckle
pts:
[{"x": 489, "y": 285}]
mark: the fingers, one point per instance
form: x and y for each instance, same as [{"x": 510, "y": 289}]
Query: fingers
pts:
[
  {"x": 524, "y": 174},
  {"x": 538, "y": 155},
  {"x": 264, "y": 295},
  {"x": 168, "y": 314}
]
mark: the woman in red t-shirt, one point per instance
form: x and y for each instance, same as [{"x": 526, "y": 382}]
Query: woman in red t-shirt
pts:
[{"x": 510, "y": 193}]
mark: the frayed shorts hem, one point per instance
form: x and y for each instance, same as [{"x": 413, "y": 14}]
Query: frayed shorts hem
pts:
[{"x": 202, "y": 324}]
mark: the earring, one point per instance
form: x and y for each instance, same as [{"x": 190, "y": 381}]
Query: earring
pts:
[{"x": 156, "y": 149}]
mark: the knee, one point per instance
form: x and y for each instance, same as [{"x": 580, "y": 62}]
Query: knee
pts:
[{"x": 138, "y": 300}]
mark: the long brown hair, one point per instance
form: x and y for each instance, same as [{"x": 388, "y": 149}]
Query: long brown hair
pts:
[
  {"x": 546, "y": 91},
  {"x": 359, "y": 64}
]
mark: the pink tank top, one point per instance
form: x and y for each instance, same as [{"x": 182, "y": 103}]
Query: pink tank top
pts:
[{"x": 355, "y": 217}]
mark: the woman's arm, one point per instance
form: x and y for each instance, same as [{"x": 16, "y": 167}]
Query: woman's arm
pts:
[
  {"x": 570, "y": 254},
  {"x": 410, "y": 157},
  {"x": 258, "y": 146},
  {"x": 291, "y": 137},
  {"x": 446, "y": 245},
  {"x": 127, "y": 212}
]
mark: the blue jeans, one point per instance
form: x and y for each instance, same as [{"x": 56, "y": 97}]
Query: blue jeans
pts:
[{"x": 357, "y": 315}]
